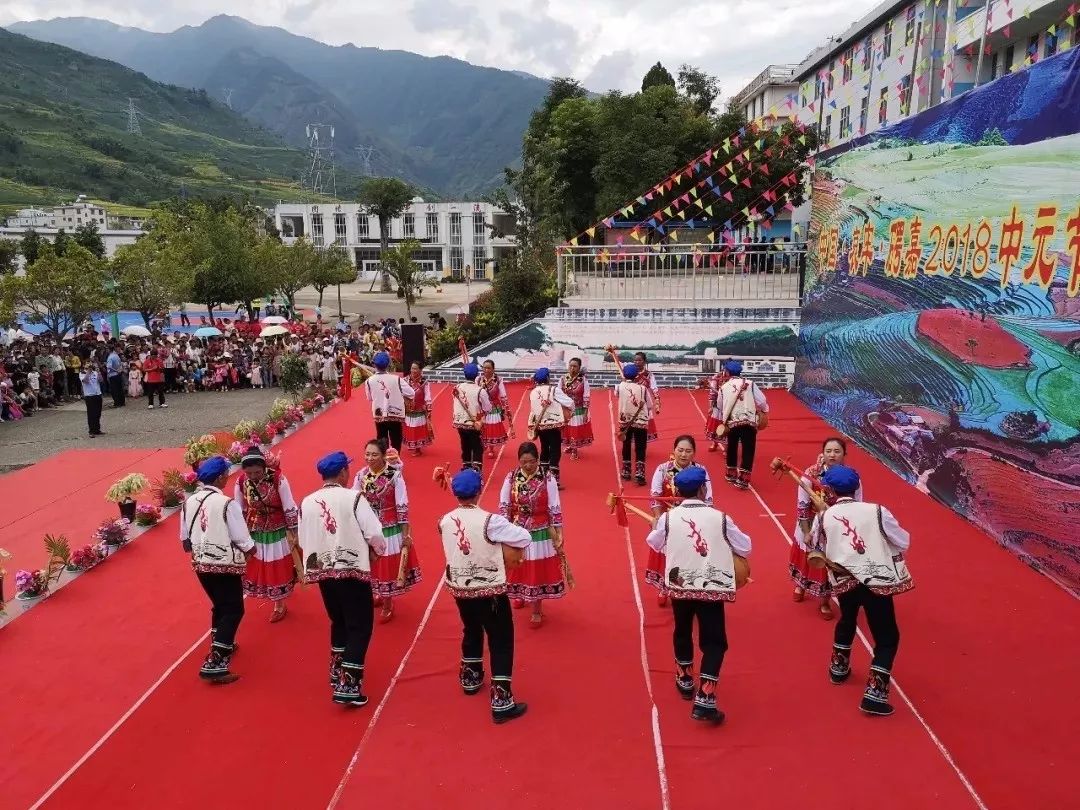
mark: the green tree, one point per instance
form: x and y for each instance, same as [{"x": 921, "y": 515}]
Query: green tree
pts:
[
  {"x": 333, "y": 267},
  {"x": 147, "y": 281},
  {"x": 699, "y": 88},
  {"x": 31, "y": 246},
  {"x": 87, "y": 235},
  {"x": 565, "y": 163},
  {"x": 60, "y": 292},
  {"x": 386, "y": 198},
  {"x": 61, "y": 242},
  {"x": 291, "y": 267},
  {"x": 9, "y": 256},
  {"x": 406, "y": 273},
  {"x": 658, "y": 76}
]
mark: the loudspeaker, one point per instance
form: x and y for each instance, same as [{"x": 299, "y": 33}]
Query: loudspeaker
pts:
[{"x": 412, "y": 345}]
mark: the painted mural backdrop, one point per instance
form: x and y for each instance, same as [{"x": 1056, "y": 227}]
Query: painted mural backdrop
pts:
[{"x": 941, "y": 324}]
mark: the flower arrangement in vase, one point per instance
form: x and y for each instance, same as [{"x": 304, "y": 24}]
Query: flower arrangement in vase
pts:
[
  {"x": 237, "y": 450},
  {"x": 123, "y": 493},
  {"x": 191, "y": 481},
  {"x": 147, "y": 515},
  {"x": 244, "y": 429},
  {"x": 199, "y": 449},
  {"x": 31, "y": 584},
  {"x": 169, "y": 491},
  {"x": 85, "y": 558},
  {"x": 113, "y": 533}
]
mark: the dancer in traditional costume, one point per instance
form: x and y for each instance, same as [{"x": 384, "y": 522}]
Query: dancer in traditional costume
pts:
[
  {"x": 384, "y": 487},
  {"x": 548, "y": 407},
  {"x": 578, "y": 431},
  {"x": 700, "y": 545},
  {"x": 643, "y": 377},
  {"x": 496, "y": 421},
  {"x": 864, "y": 545},
  {"x": 635, "y": 411},
  {"x": 530, "y": 499},
  {"x": 807, "y": 579},
  {"x": 743, "y": 412},
  {"x": 213, "y": 531},
  {"x": 418, "y": 431},
  {"x": 479, "y": 547},
  {"x": 663, "y": 487},
  {"x": 471, "y": 404},
  {"x": 387, "y": 394},
  {"x": 339, "y": 533},
  {"x": 267, "y": 501},
  {"x": 715, "y": 416}
]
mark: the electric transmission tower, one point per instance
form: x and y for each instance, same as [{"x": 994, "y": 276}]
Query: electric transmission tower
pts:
[
  {"x": 321, "y": 175},
  {"x": 133, "y": 127},
  {"x": 366, "y": 153},
  {"x": 228, "y": 91}
]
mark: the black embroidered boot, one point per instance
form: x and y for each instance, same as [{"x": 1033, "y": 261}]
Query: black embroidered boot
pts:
[
  {"x": 348, "y": 691},
  {"x": 639, "y": 473},
  {"x": 876, "y": 697},
  {"x": 472, "y": 675},
  {"x": 732, "y": 475},
  {"x": 215, "y": 667},
  {"x": 503, "y": 706},
  {"x": 625, "y": 473},
  {"x": 336, "y": 655},
  {"x": 684, "y": 679},
  {"x": 840, "y": 665},
  {"x": 705, "y": 703}
]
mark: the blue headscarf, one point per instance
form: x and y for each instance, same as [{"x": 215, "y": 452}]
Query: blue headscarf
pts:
[
  {"x": 331, "y": 464},
  {"x": 212, "y": 469},
  {"x": 381, "y": 361},
  {"x": 466, "y": 484},
  {"x": 841, "y": 480},
  {"x": 733, "y": 367},
  {"x": 630, "y": 370},
  {"x": 471, "y": 370},
  {"x": 541, "y": 375},
  {"x": 690, "y": 481}
]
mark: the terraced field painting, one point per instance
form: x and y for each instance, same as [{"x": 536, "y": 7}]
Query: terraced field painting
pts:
[{"x": 941, "y": 323}]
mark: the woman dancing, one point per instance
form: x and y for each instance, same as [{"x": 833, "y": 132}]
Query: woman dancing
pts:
[
  {"x": 578, "y": 431},
  {"x": 418, "y": 432},
  {"x": 495, "y": 429}
]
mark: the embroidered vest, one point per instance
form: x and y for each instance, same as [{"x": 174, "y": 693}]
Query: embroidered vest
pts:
[
  {"x": 855, "y": 542},
  {"x": 700, "y": 563},
  {"x": 492, "y": 387},
  {"x": 474, "y": 564},
  {"x": 574, "y": 387},
  {"x": 378, "y": 489},
  {"x": 544, "y": 412},
  {"x": 466, "y": 397},
  {"x": 261, "y": 503},
  {"x": 529, "y": 501},
  {"x": 745, "y": 410},
  {"x": 419, "y": 400},
  {"x": 633, "y": 400},
  {"x": 333, "y": 545},
  {"x": 212, "y": 550},
  {"x": 387, "y": 401}
]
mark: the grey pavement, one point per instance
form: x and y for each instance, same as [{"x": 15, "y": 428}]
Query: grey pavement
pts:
[
  {"x": 356, "y": 300},
  {"x": 57, "y": 429}
]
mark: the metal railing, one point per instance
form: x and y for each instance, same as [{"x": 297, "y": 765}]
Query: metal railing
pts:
[{"x": 749, "y": 273}]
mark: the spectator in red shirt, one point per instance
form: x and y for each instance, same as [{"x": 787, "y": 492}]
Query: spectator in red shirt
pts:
[{"x": 154, "y": 377}]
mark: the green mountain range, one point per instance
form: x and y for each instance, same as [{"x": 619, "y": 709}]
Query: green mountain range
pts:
[
  {"x": 64, "y": 131},
  {"x": 440, "y": 123}
]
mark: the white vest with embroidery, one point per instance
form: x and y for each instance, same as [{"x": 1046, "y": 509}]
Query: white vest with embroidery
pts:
[
  {"x": 466, "y": 393},
  {"x": 212, "y": 550},
  {"x": 332, "y": 544},
  {"x": 744, "y": 411},
  {"x": 700, "y": 563},
  {"x": 633, "y": 396},
  {"x": 544, "y": 412},
  {"x": 855, "y": 541},
  {"x": 387, "y": 400},
  {"x": 474, "y": 564}
]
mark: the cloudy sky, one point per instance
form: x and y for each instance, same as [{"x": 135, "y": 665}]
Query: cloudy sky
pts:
[{"x": 605, "y": 44}]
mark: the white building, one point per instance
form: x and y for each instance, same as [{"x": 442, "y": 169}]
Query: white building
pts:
[
  {"x": 112, "y": 239},
  {"x": 770, "y": 98},
  {"x": 904, "y": 57},
  {"x": 454, "y": 235},
  {"x": 30, "y": 218},
  {"x": 81, "y": 212}
]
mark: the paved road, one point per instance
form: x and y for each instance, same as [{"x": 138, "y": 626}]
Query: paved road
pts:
[
  {"x": 57, "y": 429},
  {"x": 357, "y": 300}
]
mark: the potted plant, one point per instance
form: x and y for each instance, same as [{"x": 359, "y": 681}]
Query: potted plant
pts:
[
  {"x": 85, "y": 558},
  {"x": 169, "y": 491},
  {"x": 123, "y": 493},
  {"x": 59, "y": 551},
  {"x": 112, "y": 533},
  {"x": 147, "y": 515},
  {"x": 191, "y": 481},
  {"x": 199, "y": 449},
  {"x": 31, "y": 586}
]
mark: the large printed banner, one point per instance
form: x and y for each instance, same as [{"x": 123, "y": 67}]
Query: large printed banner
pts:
[{"x": 941, "y": 323}]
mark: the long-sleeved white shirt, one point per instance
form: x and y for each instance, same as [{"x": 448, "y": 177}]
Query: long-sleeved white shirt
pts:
[
  {"x": 501, "y": 530},
  {"x": 740, "y": 542},
  {"x": 239, "y": 535}
]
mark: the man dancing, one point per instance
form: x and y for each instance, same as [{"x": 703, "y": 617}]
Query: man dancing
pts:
[
  {"x": 339, "y": 534},
  {"x": 471, "y": 403},
  {"x": 864, "y": 546},
  {"x": 387, "y": 394},
  {"x": 743, "y": 412},
  {"x": 635, "y": 412},
  {"x": 700, "y": 544},
  {"x": 214, "y": 532},
  {"x": 547, "y": 416},
  {"x": 479, "y": 545}
]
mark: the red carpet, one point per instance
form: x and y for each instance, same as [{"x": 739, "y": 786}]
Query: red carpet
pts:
[{"x": 983, "y": 658}]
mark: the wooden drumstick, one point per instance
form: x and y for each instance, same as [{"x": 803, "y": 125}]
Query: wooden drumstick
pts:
[
  {"x": 779, "y": 466},
  {"x": 613, "y": 499},
  {"x": 403, "y": 568}
]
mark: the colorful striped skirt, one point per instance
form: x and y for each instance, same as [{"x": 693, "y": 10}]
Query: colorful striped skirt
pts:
[
  {"x": 541, "y": 575},
  {"x": 270, "y": 571},
  {"x": 578, "y": 431},
  {"x": 384, "y": 571}
]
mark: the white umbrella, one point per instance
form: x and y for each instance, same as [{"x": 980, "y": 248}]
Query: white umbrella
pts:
[
  {"x": 458, "y": 309},
  {"x": 135, "y": 331},
  {"x": 270, "y": 331},
  {"x": 21, "y": 335},
  {"x": 275, "y": 319},
  {"x": 207, "y": 331}
]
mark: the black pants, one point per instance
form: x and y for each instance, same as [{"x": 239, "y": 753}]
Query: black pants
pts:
[
  {"x": 152, "y": 388},
  {"x": 391, "y": 431},
  {"x": 351, "y": 609},
  {"x": 93, "y": 414},
  {"x": 170, "y": 379},
  {"x": 472, "y": 449},
  {"x": 550, "y": 447},
  {"x": 226, "y": 592},
  {"x": 490, "y": 615},
  {"x": 746, "y": 436},
  {"x": 637, "y": 437},
  {"x": 712, "y": 633},
  {"x": 880, "y": 616},
  {"x": 116, "y": 389}
]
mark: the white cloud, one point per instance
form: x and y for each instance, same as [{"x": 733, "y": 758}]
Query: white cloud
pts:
[{"x": 606, "y": 44}]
